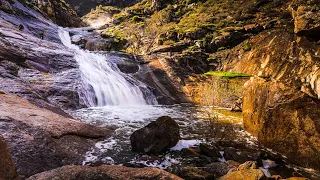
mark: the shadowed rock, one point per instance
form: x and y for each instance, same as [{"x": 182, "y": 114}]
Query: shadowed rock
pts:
[{"x": 156, "y": 137}]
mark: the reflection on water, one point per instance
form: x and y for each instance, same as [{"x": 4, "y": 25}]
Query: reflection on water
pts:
[{"x": 195, "y": 124}]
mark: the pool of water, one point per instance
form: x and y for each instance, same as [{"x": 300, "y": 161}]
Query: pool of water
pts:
[{"x": 198, "y": 124}]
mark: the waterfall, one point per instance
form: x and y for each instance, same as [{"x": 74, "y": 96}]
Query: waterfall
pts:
[{"x": 105, "y": 84}]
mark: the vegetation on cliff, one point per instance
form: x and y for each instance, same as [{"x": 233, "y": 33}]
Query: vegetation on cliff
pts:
[{"x": 198, "y": 31}]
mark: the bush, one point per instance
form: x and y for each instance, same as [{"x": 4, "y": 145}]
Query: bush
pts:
[
  {"x": 246, "y": 47},
  {"x": 168, "y": 42},
  {"x": 136, "y": 19}
]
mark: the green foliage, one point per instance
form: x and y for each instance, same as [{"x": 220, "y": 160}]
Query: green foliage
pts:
[
  {"x": 221, "y": 48},
  {"x": 227, "y": 75},
  {"x": 199, "y": 21},
  {"x": 247, "y": 47},
  {"x": 168, "y": 42},
  {"x": 136, "y": 19}
]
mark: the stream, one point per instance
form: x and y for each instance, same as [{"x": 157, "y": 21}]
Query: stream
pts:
[
  {"x": 194, "y": 123},
  {"x": 122, "y": 103}
]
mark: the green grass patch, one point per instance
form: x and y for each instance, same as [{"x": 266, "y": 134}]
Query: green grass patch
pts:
[
  {"x": 227, "y": 75},
  {"x": 247, "y": 47}
]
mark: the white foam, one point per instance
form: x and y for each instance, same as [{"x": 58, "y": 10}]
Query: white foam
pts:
[
  {"x": 185, "y": 144},
  {"x": 222, "y": 155},
  {"x": 265, "y": 171},
  {"x": 268, "y": 163},
  {"x": 167, "y": 162},
  {"x": 89, "y": 157},
  {"x": 109, "y": 85},
  {"x": 105, "y": 145}
]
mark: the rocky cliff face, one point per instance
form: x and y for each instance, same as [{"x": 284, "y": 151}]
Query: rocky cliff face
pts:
[
  {"x": 284, "y": 119},
  {"x": 56, "y": 10},
  {"x": 60, "y": 12},
  {"x": 84, "y": 6},
  {"x": 281, "y": 109}
]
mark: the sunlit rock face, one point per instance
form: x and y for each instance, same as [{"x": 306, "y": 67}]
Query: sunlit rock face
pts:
[
  {"x": 284, "y": 119},
  {"x": 84, "y": 6}
]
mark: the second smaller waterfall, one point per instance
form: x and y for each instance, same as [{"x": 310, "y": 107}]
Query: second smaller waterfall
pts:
[{"x": 110, "y": 86}]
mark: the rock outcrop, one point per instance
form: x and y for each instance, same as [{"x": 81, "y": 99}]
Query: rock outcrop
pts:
[
  {"x": 281, "y": 109},
  {"x": 156, "y": 137},
  {"x": 307, "y": 21},
  {"x": 41, "y": 140},
  {"x": 104, "y": 172},
  {"x": 59, "y": 12},
  {"x": 42, "y": 71},
  {"x": 247, "y": 171},
  {"x": 7, "y": 170},
  {"x": 283, "y": 119},
  {"x": 83, "y": 7}
]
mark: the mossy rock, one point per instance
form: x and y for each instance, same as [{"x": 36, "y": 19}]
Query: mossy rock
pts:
[{"x": 227, "y": 75}]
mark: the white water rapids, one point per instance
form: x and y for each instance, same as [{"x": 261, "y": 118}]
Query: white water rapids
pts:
[{"x": 109, "y": 85}]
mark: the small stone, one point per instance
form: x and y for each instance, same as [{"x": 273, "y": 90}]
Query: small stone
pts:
[
  {"x": 219, "y": 169},
  {"x": 209, "y": 150},
  {"x": 190, "y": 152}
]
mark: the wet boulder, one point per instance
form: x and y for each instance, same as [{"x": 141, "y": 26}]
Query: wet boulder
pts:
[
  {"x": 104, "y": 172},
  {"x": 193, "y": 173},
  {"x": 219, "y": 169},
  {"x": 7, "y": 170},
  {"x": 156, "y": 137},
  {"x": 209, "y": 151}
]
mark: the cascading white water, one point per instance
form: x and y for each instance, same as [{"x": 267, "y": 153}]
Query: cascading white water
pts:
[{"x": 110, "y": 86}]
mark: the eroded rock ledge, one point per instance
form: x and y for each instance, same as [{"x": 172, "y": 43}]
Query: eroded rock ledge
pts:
[
  {"x": 41, "y": 140},
  {"x": 104, "y": 172}
]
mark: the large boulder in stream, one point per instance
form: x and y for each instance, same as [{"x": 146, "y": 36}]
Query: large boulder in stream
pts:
[
  {"x": 156, "y": 137},
  {"x": 41, "y": 140},
  {"x": 106, "y": 172}
]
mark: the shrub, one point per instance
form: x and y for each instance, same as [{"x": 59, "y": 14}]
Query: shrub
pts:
[
  {"x": 246, "y": 47},
  {"x": 168, "y": 42},
  {"x": 136, "y": 19}
]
